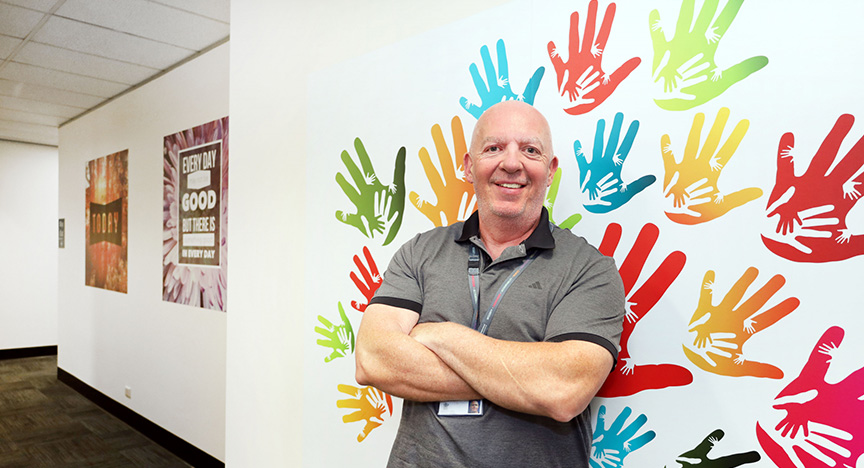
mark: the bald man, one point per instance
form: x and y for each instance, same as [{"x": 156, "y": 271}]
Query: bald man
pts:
[{"x": 505, "y": 308}]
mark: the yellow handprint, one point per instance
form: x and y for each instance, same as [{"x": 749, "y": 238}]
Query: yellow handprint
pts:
[
  {"x": 370, "y": 403},
  {"x": 455, "y": 196}
]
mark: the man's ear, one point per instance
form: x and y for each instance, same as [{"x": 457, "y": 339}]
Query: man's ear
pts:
[
  {"x": 553, "y": 166},
  {"x": 468, "y": 167}
]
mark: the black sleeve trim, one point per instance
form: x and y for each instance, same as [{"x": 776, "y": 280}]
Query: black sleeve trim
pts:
[
  {"x": 398, "y": 302},
  {"x": 596, "y": 339}
]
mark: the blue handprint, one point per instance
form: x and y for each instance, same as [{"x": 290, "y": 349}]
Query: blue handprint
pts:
[
  {"x": 600, "y": 178},
  {"x": 497, "y": 86},
  {"x": 611, "y": 445}
]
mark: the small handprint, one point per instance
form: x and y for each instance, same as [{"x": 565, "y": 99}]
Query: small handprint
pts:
[
  {"x": 379, "y": 207},
  {"x": 338, "y": 338},
  {"x": 812, "y": 208},
  {"x": 581, "y": 80},
  {"x": 371, "y": 405},
  {"x": 611, "y": 445},
  {"x": 497, "y": 88},
  {"x": 371, "y": 279},
  {"x": 627, "y": 378},
  {"x": 698, "y": 456},
  {"x": 722, "y": 330},
  {"x": 826, "y": 416},
  {"x": 684, "y": 67},
  {"x": 552, "y": 197},
  {"x": 600, "y": 178},
  {"x": 455, "y": 196},
  {"x": 692, "y": 183}
]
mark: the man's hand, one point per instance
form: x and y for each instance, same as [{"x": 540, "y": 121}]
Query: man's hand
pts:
[
  {"x": 684, "y": 67},
  {"x": 629, "y": 378},
  {"x": 552, "y": 196},
  {"x": 371, "y": 279},
  {"x": 600, "y": 178},
  {"x": 581, "y": 80},
  {"x": 455, "y": 196},
  {"x": 812, "y": 208},
  {"x": 692, "y": 183},
  {"x": 338, "y": 338},
  {"x": 497, "y": 88},
  {"x": 822, "y": 427},
  {"x": 722, "y": 330},
  {"x": 378, "y": 207},
  {"x": 371, "y": 405}
]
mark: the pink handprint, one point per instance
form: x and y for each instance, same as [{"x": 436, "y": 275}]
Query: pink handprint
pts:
[
  {"x": 371, "y": 405},
  {"x": 629, "y": 378},
  {"x": 812, "y": 208},
  {"x": 828, "y": 417},
  {"x": 581, "y": 80},
  {"x": 371, "y": 279}
]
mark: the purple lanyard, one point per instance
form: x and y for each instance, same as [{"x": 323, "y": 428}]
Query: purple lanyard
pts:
[{"x": 474, "y": 284}]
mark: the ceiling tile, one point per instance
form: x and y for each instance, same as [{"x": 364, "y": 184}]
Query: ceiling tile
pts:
[
  {"x": 60, "y": 80},
  {"x": 45, "y": 94},
  {"x": 41, "y": 5},
  {"x": 30, "y": 117},
  {"x": 149, "y": 20},
  {"x": 7, "y": 45},
  {"x": 106, "y": 43},
  {"x": 16, "y": 21},
  {"x": 70, "y": 61},
  {"x": 29, "y": 133},
  {"x": 37, "y": 107},
  {"x": 219, "y": 10}
]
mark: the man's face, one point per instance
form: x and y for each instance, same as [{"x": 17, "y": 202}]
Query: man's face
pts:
[{"x": 510, "y": 162}]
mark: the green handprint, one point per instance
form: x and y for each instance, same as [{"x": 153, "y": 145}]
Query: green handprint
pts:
[
  {"x": 685, "y": 64},
  {"x": 379, "y": 207},
  {"x": 551, "y": 196},
  {"x": 339, "y": 338}
]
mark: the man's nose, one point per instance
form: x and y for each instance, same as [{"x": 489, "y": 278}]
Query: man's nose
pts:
[{"x": 512, "y": 159}]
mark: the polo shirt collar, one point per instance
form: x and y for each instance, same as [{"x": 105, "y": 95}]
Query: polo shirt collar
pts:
[{"x": 540, "y": 238}]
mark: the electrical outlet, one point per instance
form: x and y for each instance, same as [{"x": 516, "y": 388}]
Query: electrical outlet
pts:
[{"x": 128, "y": 392}]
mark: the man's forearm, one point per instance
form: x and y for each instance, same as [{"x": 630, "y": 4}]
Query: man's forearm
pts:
[
  {"x": 557, "y": 380},
  {"x": 390, "y": 360}
]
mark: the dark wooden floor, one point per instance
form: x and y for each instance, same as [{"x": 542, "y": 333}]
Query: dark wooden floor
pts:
[{"x": 44, "y": 423}]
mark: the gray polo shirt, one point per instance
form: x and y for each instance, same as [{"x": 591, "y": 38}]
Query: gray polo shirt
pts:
[{"x": 570, "y": 292}]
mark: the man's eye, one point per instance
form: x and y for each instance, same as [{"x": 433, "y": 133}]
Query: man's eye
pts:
[{"x": 532, "y": 152}]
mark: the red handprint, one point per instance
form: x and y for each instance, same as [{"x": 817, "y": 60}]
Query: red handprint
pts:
[
  {"x": 629, "y": 378},
  {"x": 371, "y": 279},
  {"x": 828, "y": 417},
  {"x": 581, "y": 80},
  {"x": 812, "y": 207},
  {"x": 722, "y": 330}
]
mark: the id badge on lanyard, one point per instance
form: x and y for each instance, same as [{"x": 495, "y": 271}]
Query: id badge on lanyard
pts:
[{"x": 481, "y": 324}]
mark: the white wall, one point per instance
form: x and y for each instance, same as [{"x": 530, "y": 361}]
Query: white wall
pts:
[
  {"x": 172, "y": 356},
  {"x": 274, "y": 46},
  {"x": 28, "y": 245}
]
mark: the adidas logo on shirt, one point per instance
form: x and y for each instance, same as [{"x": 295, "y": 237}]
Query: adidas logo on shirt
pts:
[{"x": 535, "y": 285}]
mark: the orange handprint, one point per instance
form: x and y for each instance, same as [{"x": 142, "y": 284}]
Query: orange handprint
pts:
[
  {"x": 455, "y": 196},
  {"x": 722, "y": 330},
  {"x": 692, "y": 183},
  {"x": 371, "y": 405},
  {"x": 371, "y": 279}
]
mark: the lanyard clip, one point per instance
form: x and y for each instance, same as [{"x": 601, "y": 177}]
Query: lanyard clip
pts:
[{"x": 473, "y": 261}]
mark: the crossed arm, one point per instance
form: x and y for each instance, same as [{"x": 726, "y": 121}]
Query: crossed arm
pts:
[{"x": 447, "y": 361}]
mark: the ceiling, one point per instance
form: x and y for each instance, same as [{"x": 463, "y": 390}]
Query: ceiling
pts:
[{"x": 62, "y": 58}]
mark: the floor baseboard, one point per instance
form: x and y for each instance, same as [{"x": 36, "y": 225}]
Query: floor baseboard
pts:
[
  {"x": 186, "y": 451},
  {"x": 37, "y": 351}
]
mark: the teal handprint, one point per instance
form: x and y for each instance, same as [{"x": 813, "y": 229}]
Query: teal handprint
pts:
[
  {"x": 610, "y": 446},
  {"x": 379, "y": 207},
  {"x": 552, "y": 196},
  {"x": 600, "y": 178},
  {"x": 338, "y": 338},
  {"x": 685, "y": 64},
  {"x": 497, "y": 88}
]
